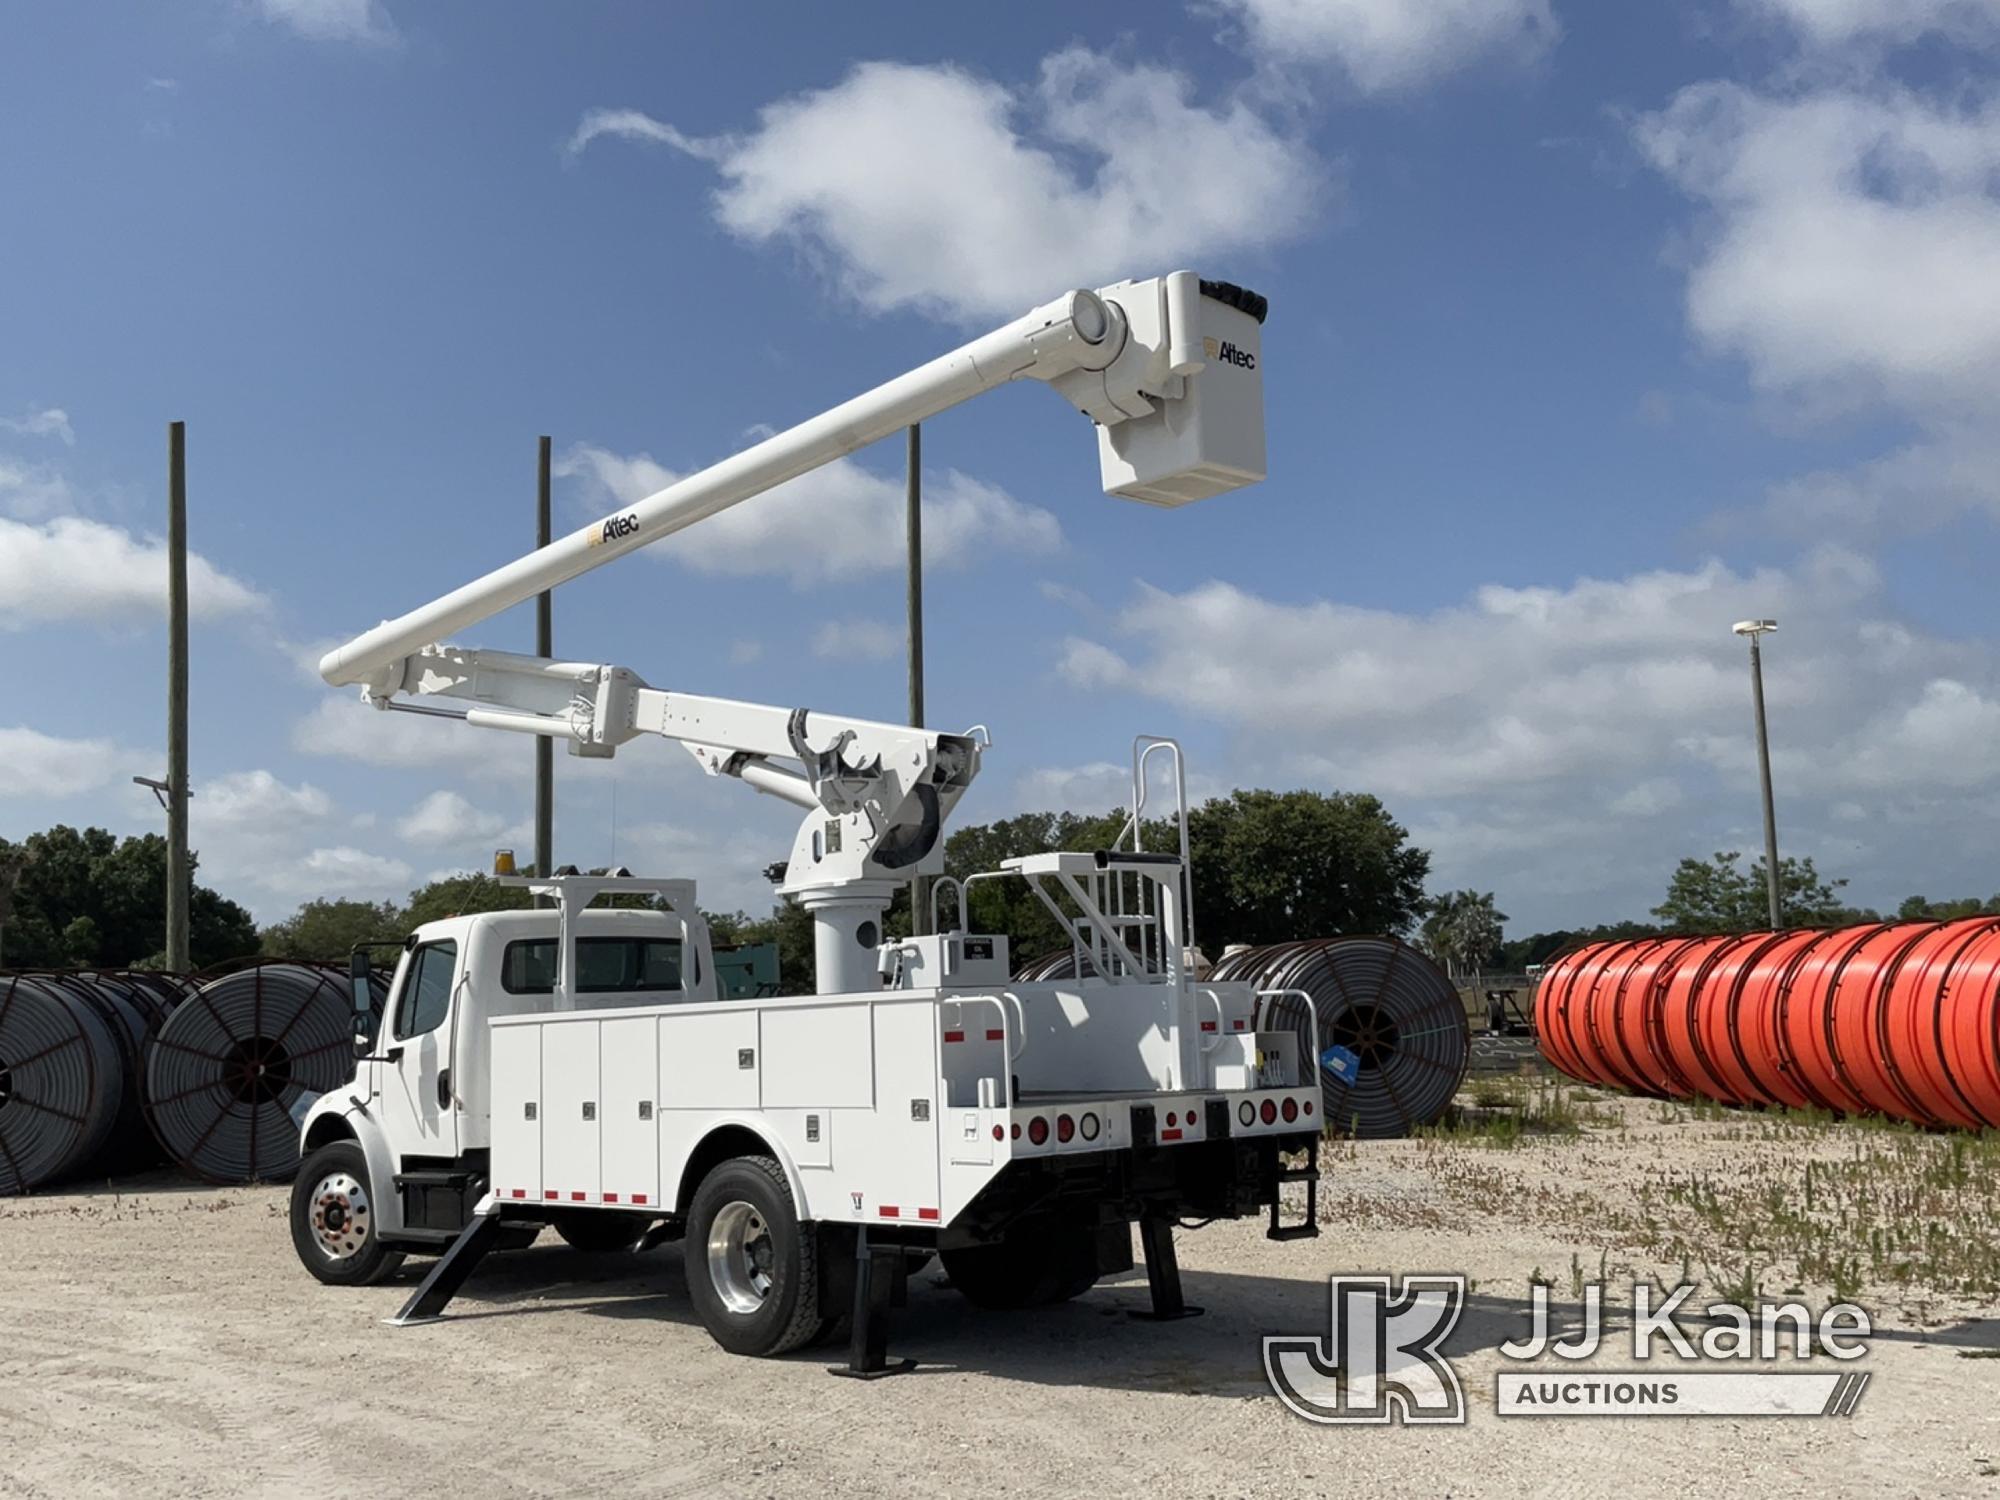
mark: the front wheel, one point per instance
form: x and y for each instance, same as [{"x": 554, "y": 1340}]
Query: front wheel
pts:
[
  {"x": 751, "y": 1273},
  {"x": 333, "y": 1219}
]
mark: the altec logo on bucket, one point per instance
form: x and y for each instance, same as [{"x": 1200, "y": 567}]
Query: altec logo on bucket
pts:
[{"x": 1383, "y": 1358}]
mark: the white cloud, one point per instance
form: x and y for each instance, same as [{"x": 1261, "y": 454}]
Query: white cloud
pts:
[
  {"x": 446, "y": 817},
  {"x": 346, "y": 871},
  {"x": 33, "y": 492},
  {"x": 857, "y": 640},
  {"x": 1386, "y": 45},
  {"x": 360, "y": 21},
  {"x": 43, "y": 421},
  {"x": 1852, "y": 239},
  {"x": 255, "y": 800},
  {"x": 997, "y": 198},
  {"x": 827, "y": 524},
  {"x": 33, "y": 764},
  {"x": 74, "y": 569},
  {"x": 1566, "y": 745},
  {"x": 1832, "y": 23}
]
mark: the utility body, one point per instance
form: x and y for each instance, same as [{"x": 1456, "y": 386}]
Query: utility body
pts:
[{"x": 575, "y": 1065}]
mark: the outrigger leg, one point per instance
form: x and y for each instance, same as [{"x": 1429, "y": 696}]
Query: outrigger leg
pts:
[
  {"x": 1163, "y": 1272},
  {"x": 877, "y": 1271},
  {"x": 428, "y": 1302}
]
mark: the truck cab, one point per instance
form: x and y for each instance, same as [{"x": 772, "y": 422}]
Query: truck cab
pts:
[{"x": 416, "y": 1122}]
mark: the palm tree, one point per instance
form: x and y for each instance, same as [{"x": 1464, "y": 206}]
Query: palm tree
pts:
[{"x": 1462, "y": 928}]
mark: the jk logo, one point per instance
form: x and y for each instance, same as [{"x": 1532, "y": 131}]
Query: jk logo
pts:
[{"x": 1381, "y": 1358}]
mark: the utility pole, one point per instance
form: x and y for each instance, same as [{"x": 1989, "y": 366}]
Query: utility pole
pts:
[
  {"x": 545, "y": 765},
  {"x": 178, "y": 875},
  {"x": 1753, "y": 629},
  {"x": 920, "y": 888}
]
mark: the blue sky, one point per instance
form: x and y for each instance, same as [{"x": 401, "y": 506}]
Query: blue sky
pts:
[{"x": 1594, "y": 328}]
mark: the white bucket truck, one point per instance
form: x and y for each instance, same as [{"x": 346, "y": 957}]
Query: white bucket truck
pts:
[{"x": 575, "y": 1066}]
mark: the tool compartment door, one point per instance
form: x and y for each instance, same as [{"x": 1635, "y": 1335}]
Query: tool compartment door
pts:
[
  {"x": 517, "y": 1101},
  {"x": 571, "y": 1137},
  {"x": 629, "y": 1113}
]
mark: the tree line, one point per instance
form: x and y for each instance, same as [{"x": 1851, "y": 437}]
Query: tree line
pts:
[{"x": 1268, "y": 867}]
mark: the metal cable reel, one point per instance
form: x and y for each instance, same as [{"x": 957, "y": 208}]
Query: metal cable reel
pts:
[
  {"x": 61, "y": 1077},
  {"x": 235, "y": 1059},
  {"x": 1393, "y": 1033}
]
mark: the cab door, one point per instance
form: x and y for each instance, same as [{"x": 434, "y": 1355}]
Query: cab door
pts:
[{"x": 417, "y": 1056}]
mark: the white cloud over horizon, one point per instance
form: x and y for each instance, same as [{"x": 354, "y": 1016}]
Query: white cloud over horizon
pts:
[
  {"x": 1097, "y": 170},
  {"x": 72, "y": 569},
  {"x": 1538, "y": 738}
]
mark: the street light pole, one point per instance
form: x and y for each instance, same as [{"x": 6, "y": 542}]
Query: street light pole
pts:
[{"x": 1754, "y": 629}]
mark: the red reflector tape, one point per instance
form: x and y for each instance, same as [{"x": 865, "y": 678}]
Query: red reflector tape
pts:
[
  {"x": 1208, "y": 1025},
  {"x": 610, "y": 1197},
  {"x": 954, "y": 1036},
  {"x": 1236, "y": 1025},
  {"x": 1170, "y": 1135},
  {"x": 927, "y": 1213},
  {"x": 550, "y": 1193},
  {"x": 576, "y": 1197},
  {"x": 638, "y": 1197},
  {"x": 889, "y": 1211},
  {"x": 996, "y": 1036},
  {"x": 520, "y": 1192}
]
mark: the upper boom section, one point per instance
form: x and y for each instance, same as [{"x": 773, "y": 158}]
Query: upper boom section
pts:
[{"x": 1168, "y": 368}]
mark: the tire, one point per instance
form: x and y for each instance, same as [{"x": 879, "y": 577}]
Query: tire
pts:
[
  {"x": 752, "y": 1275},
  {"x": 600, "y": 1232},
  {"x": 333, "y": 1219},
  {"x": 1032, "y": 1269}
]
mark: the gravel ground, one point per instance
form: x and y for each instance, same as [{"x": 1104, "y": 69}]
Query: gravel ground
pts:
[{"x": 162, "y": 1338}]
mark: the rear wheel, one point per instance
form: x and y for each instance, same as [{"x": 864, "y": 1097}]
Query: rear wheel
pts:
[
  {"x": 333, "y": 1219},
  {"x": 598, "y": 1231},
  {"x": 1029, "y": 1269},
  {"x": 751, "y": 1273}
]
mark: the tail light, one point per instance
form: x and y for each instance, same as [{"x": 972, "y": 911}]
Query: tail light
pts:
[
  {"x": 1065, "y": 1129},
  {"x": 1270, "y": 1112},
  {"x": 1309, "y": 1106},
  {"x": 1173, "y": 1118},
  {"x": 1246, "y": 1112},
  {"x": 999, "y": 1132},
  {"x": 1090, "y": 1127},
  {"x": 1038, "y": 1131},
  {"x": 1290, "y": 1110},
  {"x": 1017, "y": 1130}
]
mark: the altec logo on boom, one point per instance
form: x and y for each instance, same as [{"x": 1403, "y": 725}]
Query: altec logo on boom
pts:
[
  {"x": 614, "y": 529},
  {"x": 1384, "y": 1360}
]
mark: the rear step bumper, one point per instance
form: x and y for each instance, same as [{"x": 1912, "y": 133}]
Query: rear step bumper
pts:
[{"x": 1309, "y": 1175}]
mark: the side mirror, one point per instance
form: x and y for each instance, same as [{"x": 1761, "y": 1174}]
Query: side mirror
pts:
[{"x": 360, "y": 978}]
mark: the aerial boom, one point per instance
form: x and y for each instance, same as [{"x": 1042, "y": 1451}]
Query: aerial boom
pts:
[
  {"x": 1130, "y": 356},
  {"x": 1168, "y": 371}
]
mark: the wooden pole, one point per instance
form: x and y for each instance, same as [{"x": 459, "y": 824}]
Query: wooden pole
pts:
[
  {"x": 179, "y": 876},
  {"x": 920, "y": 888},
  {"x": 545, "y": 765}
]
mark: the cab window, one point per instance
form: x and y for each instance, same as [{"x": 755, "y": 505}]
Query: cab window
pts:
[
  {"x": 426, "y": 990},
  {"x": 604, "y": 965}
]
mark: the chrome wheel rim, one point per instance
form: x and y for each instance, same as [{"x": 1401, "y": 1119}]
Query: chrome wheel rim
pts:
[
  {"x": 741, "y": 1253},
  {"x": 340, "y": 1216}
]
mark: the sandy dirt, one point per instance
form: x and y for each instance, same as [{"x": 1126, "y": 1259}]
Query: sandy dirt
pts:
[{"x": 162, "y": 1339}]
